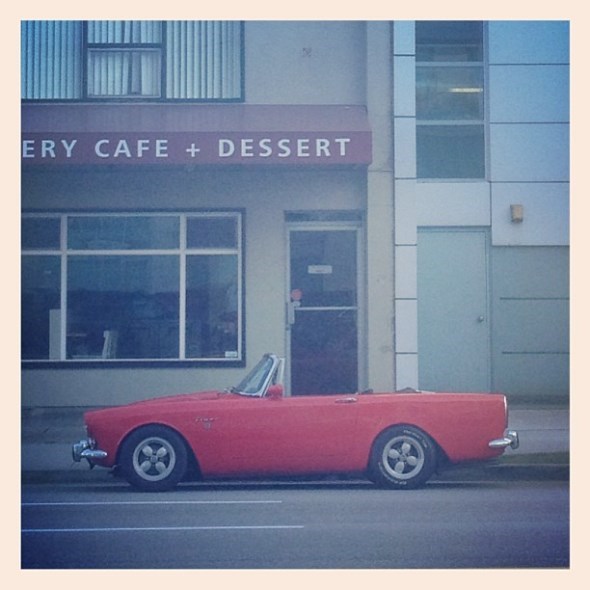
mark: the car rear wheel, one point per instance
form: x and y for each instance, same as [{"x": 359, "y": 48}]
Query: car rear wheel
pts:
[
  {"x": 153, "y": 459},
  {"x": 402, "y": 457}
]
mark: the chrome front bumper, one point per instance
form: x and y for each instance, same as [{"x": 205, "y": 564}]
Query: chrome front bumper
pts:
[
  {"x": 510, "y": 439},
  {"x": 86, "y": 449}
]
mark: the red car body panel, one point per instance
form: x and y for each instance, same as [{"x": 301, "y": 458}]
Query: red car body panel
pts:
[{"x": 232, "y": 434}]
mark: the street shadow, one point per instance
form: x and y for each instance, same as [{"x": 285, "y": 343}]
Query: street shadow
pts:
[{"x": 120, "y": 486}]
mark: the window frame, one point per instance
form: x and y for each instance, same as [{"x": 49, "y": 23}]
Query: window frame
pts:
[
  {"x": 88, "y": 47},
  {"x": 84, "y": 98},
  {"x": 183, "y": 252},
  {"x": 482, "y": 123}
]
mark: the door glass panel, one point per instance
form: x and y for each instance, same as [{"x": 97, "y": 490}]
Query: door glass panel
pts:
[
  {"x": 324, "y": 331},
  {"x": 324, "y": 352},
  {"x": 323, "y": 267}
]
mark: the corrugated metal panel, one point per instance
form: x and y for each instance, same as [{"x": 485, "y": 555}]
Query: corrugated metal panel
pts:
[{"x": 51, "y": 59}]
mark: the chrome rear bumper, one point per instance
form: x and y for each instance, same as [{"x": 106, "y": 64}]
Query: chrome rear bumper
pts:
[
  {"x": 510, "y": 439},
  {"x": 86, "y": 449}
]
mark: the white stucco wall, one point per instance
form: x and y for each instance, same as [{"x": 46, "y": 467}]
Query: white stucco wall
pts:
[
  {"x": 264, "y": 195},
  {"x": 305, "y": 62}
]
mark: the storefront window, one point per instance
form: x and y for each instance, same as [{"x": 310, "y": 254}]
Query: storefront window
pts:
[
  {"x": 134, "y": 289},
  {"x": 41, "y": 233},
  {"x": 212, "y": 307},
  {"x": 40, "y": 302},
  {"x": 211, "y": 232},
  {"x": 123, "y": 307},
  {"x": 121, "y": 232}
]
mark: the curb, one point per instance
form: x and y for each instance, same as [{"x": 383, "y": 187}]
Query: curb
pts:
[
  {"x": 536, "y": 472},
  {"x": 459, "y": 473}
]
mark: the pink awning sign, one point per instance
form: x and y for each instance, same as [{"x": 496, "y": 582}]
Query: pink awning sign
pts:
[{"x": 194, "y": 135}]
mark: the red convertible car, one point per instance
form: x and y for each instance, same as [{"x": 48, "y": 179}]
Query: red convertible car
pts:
[{"x": 395, "y": 439}]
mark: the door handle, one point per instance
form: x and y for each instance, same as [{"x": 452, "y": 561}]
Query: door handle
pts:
[
  {"x": 480, "y": 319},
  {"x": 346, "y": 400},
  {"x": 291, "y": 307}
]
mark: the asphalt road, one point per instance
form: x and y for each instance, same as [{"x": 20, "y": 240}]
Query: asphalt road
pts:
[{"x": 329, "y": 525}]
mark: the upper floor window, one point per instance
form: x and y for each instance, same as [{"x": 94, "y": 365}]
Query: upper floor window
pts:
[
  {"x": 450, "y": 100},
  {"x": 118, "y": 60},
  {"x": 124, "y": 59}
]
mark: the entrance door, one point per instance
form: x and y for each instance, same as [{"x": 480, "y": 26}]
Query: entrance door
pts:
[
  {"x": 453, "y": 316},
  {"x": 323, "y": 309}
]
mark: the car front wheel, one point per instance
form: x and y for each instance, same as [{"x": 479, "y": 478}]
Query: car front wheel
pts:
[
  {"x": 153, "y": 459},
  {"x": 402, "y": 457}
]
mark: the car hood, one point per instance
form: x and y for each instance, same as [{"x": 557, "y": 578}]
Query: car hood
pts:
[
  {"x": 148, "y": 404},
  {"x": 183, "y": 397}
]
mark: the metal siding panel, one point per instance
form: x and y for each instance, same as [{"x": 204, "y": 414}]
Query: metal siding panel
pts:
[
  {"x": 529, "y": 94},
  {"x": 530, "y": 151},
  {"x": 530, "y": 272},
  {"x": 531, "y": 321},
  {"x": 528, "y": 42}
]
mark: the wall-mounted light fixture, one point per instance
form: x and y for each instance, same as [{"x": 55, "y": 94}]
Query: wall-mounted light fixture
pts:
[{"x": 516, "y": 213}]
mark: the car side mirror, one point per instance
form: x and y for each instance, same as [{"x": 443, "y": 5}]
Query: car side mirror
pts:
[{"x": 274, "y": 391}]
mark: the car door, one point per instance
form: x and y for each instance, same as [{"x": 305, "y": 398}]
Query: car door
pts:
[{"x": 285, "y": 435}]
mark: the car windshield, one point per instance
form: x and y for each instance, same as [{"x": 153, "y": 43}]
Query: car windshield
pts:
[{"x": 253, "y": 383}]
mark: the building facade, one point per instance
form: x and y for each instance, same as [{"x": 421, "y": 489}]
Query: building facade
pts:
[{"x": 383, "y": 203}]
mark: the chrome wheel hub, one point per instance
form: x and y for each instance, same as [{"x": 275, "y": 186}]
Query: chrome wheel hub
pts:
[
  {"x": 403, "y": 457},
  {"x": 154, "y": 459}
]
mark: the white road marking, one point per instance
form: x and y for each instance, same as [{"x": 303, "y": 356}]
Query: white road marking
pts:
[
  {"x": 163, "y": 529},
  {"x": 150, "y": 502}
]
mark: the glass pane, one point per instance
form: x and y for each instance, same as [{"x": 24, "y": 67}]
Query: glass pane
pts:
[
  {"x": 324, "y": 352},
  {"x": 124, "y": 73},
  {"x": 40, "y": 307},
  {"x": 450, "y": 151},
  {"x": 212, "y": 304},
  {"x": 123, "y": 233},
  {"x": 449, "y": 93},
  {"x": 254, "y": 381},
  {"x": 323, "y": 267},
  {"x": 124, "y": 307},
  {"x": 211, "y": 232},
  {"x": 449, "y": 41},
  {"x": 40, "y": 233}
]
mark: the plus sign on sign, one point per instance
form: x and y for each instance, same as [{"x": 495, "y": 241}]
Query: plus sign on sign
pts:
[{"x": 315, "y": 148}]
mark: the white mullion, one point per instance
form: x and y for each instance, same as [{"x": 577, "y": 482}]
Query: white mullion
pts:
[
  {"x": 240, "y": 276},
  {"x": 330, "y": 308},
  {"x": 182, "y": 291},
  {"x": 148, "y": 252},
  {"x": 63, "y": 289}
]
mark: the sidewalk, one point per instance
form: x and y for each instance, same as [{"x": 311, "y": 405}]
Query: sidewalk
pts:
[{"x": 47, "y": 435}]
